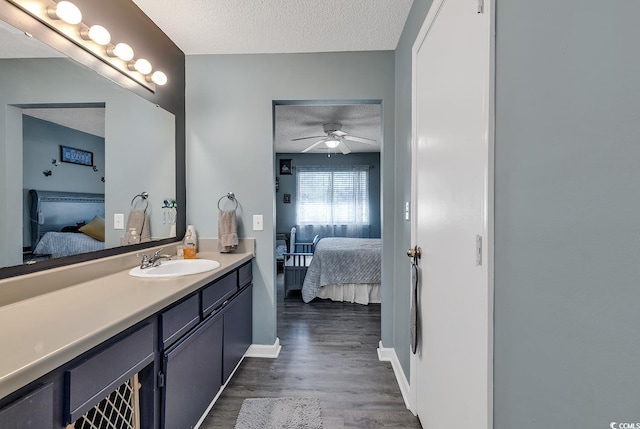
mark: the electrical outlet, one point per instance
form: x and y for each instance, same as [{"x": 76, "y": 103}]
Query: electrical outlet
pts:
[
  {"x": 118, "y": 221},
  {"x": 258, "y": 223}
]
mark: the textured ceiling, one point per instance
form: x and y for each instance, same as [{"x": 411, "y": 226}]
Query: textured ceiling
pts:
[
  {"x": 295, "y": 121},
  {"x": 279, "y": 26}
]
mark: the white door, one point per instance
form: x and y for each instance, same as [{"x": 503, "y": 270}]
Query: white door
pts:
[{"x": 451, "y": 373}]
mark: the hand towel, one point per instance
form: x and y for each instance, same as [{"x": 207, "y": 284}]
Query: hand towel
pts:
[
  {"x": 139, "y": 219},
  {"x": 227, "y": 231}
]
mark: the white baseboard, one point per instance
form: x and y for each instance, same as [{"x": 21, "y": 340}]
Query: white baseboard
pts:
[
  {"x": 264, "y": 351},
  {"x": 389, "y": 355}
]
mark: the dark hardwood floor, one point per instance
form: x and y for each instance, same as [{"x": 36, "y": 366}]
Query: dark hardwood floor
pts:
[{"x": 328, "y": 352}]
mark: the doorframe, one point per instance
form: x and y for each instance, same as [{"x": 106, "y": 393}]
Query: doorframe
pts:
[{"x": 434, "y": 10}]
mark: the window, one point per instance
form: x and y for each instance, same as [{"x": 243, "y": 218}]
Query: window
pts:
[{"x": 333, "y": 195}]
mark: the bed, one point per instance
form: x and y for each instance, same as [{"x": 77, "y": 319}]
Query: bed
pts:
[
  {"x": 345, "y": 269},
  {"x": 65, "y": 223}
]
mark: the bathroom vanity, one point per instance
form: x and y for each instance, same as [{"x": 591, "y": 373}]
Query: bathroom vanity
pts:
[{"x": 167, "y": 344}]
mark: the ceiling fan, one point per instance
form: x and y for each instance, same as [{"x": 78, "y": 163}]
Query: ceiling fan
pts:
[{"x": 335, "y": 138}]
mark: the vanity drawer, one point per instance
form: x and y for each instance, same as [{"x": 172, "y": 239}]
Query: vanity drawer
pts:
[
  {"x": 176, "y": 321},
  {"x": 98, "y": 376},
  {"x": 214, "y": 295},
  {"x": 245, "y": 275}
]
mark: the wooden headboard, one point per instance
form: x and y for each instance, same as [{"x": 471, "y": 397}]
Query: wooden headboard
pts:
[{"x": 53, "y": 210}]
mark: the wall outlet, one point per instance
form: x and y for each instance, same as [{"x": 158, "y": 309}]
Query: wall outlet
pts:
[
  {"x": 118, "y": 221},
  {"x": 258, "y": 224}
]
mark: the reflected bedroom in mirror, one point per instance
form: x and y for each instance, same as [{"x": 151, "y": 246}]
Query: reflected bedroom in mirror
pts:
[{"x": 77, "y": 152}]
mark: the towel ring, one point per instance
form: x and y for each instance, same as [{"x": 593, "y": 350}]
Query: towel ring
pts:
[
  {"x": 230, "y": 196},
  {"x": 144, "y": 196}
]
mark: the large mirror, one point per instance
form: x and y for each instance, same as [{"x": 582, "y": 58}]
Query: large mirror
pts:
[{"x": 67, "y": 137}]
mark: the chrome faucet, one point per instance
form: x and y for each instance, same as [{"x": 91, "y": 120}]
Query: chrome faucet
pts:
[{"x": 154, "y": 260}]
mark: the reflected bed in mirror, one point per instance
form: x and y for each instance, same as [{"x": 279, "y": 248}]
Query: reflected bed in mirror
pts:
[{"x": 43, "y": 96}]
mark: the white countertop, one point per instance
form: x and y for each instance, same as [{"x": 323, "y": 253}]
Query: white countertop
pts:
[{"x": 41, "y": 333}]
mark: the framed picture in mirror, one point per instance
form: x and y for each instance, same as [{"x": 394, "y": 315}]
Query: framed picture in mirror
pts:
[{"x": 76, "y": 156}]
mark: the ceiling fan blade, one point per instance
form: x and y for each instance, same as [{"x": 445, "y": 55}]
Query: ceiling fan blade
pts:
[
  {"x": 344, "y": 148},
  {"x": 304, "y": 138},
  {"x": 313, "y": 145},
  {"x": 360, "y": 139},
  {"x": 339, "y": 133}
]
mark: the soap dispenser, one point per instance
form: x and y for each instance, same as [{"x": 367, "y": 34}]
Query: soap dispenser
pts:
[{"x": 190, "y": 243}]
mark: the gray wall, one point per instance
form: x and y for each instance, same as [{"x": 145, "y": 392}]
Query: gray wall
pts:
[
  {"x": 230, "y": 140},
  {"x": 567, "y": 210},
  {"x": 41, "y": 142},
  {"x": 286, "y": 213},
  {"x": 398, "y": 334}
]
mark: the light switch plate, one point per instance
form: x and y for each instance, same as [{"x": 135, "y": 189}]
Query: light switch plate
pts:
[
  {"x": 258, "y": 223},
  {"x": 118, "y": 221},
  {"x": 407, "y": 210}
]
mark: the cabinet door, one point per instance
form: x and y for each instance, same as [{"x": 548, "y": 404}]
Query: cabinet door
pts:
[
  {"x": 237, "y": 330},
  {"x": 32, "y": 411},
  {"x": 192, "y": 370}
]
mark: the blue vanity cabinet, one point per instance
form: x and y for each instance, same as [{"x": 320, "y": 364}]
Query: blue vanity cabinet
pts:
[
  {"x": 32, "y": 411},
  {"x": 178, "y": 320},
  {"x": 192, "y": 369},
  {"x": 238, "y": 333},
  {"x": 95, "y": 377},
  {"x": 216, "y": 294},
  {"x": 200, "y": 363},
  {"x": 237, "y": 330},
  {"x": 182, "y": 354}
]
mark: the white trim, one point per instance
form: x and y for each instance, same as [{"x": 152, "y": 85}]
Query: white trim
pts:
[
  {"x": 264, "y": 351},
  {"x": 434, "y": 10},
  {"x": 389, "y": 355}
]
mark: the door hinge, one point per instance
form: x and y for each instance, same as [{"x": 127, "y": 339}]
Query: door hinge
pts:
[
  {"x": 160, "y": 379},
  {"x": 478, "y": 250},
  {"x": 480, "y": 6}
]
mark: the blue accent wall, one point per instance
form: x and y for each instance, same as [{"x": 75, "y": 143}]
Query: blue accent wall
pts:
[{"x": 286, "y": 213}]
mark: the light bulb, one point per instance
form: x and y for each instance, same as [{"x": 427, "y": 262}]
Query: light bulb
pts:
[
  {"x": 332, "y": 143},
  {"x": 159, "y": 78},
  {"x": 122, "y": 51},
  {"x": 142, "y": 65},
  {"x": 97, "y": 33},
  {"x": 66, "y": 11}
]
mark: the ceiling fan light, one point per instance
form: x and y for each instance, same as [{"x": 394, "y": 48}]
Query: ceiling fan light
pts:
[{"x": 332, "y": 143}]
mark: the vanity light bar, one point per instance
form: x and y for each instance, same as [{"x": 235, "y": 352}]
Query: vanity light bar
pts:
[{"x": 65, "y": 18}]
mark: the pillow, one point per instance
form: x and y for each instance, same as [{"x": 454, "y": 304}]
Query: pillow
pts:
[
  {"x": 94, "y": 229},
  {"x": 72, "y": 228}
]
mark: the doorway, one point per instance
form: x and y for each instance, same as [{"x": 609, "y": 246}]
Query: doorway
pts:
[{"x": 301, "y": 131}]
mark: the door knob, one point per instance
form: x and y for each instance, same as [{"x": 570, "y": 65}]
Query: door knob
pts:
[{"x": 415, "y": 253}]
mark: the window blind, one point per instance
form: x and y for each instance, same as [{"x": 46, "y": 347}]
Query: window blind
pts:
[{"x": 333, "y": 195}]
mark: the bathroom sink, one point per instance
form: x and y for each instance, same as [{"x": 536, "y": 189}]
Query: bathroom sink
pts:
[{"x": 176, "y": 268}]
